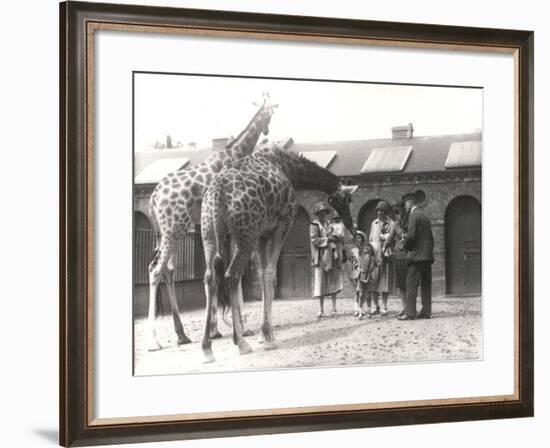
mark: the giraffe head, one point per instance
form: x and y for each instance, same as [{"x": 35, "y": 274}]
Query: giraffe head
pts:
[
  {"x": 265, "y": 113},
  {"x": 340, "y": 201}
]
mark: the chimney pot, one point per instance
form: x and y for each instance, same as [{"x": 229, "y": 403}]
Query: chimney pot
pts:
[
  {"x": 219, "y": 143},
  {"x": 398, "y": 132}
]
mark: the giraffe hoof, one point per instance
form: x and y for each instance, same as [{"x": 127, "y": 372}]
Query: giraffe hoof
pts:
[
  {"x": 182, "y": 340},
  {"x": 216, "y": 335},
  {"x": 244, "y": 349},
  {"x": 154, "y": 346},
  {"x": 208, "y": 357},
  {"x": 270, "y": 345},
  {"x": 248, "y": 332}
]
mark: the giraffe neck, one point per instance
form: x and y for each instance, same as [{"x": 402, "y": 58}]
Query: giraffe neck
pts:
[
  {"x": 305, "y": 174},
  {"x": 244, "y": 143}
]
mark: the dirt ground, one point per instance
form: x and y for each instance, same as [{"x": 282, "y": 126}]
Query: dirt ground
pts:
[{"x": 453, "y": 333}]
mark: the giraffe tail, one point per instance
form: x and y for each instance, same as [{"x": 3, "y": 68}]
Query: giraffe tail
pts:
[
  {"x": 218, "y": 210},
  {"x": 222, "y": 290}
]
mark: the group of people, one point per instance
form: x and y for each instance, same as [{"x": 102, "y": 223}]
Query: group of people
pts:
[{"x": 400, "y": 244}]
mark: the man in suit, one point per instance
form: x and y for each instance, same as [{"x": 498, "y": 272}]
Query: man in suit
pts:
[{"x": 419, "y": 243}]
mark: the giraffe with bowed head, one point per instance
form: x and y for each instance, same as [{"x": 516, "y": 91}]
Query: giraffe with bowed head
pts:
[
  {"x": 253, "y": 202},
  {"x": 175, "y": 207}
]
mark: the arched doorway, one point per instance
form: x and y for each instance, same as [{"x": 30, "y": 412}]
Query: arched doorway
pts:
[
  {"x": 294, "y": 268},
  {"x": 463, "y": 246},
  {"x": 141, "y": 221},
  {"x": 367, "y": 215}
]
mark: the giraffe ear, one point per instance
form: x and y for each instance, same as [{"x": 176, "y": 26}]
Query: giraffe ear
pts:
[{"x": 350, "y": 189}]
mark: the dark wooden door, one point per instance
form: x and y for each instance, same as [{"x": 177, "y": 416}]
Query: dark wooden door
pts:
[
  {"x": 463, "y": 246},
  {"x": 294, "y": 268}
]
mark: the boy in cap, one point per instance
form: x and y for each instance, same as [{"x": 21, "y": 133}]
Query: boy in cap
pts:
[{"x": 363, "y": 266}]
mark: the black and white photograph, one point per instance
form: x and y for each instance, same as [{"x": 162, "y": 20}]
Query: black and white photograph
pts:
[
  {"x": 275, "y": 223},
  {"x": 299, "y": 223}
]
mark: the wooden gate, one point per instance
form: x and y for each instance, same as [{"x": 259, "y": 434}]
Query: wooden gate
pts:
[
  {"x": 189, "y": 257},
  {"x": 294, "y": 268},
  {"x": 463, "y": 246}
]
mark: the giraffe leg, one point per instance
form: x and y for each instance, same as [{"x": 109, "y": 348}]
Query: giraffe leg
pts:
[
  {"x": 271, "y": 251},
  {"x": 169, "y": 280},
  {"x": 246, "y": 331},
  {"x": 154, "y": 280},
  {"x": 267, "y": 275},
  {"x": 262, "y": 262},
  {"x": 209, "y": 252},
  {"x": 214, "y": 332},
  {"x": 233, "y": 274},
  {"x": 157, "y": 272},
  {"x": 210, "y": 290}
]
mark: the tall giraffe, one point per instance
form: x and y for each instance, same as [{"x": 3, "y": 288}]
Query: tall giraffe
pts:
[
  {"x": 175, "y": 206},
  {"x": 253, "y": 202}
]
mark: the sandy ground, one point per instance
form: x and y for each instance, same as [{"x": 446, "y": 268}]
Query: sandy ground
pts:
[{"x": 453, "y": 333}]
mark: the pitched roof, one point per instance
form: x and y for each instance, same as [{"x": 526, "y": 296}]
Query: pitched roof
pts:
[
  {"x": 155, "y": 171},
  {"x": 428, "y": 154},
  {"x": 346, "y": 158}
]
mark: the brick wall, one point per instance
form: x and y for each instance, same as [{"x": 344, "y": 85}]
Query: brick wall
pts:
[{"x": 440, "y": 189}]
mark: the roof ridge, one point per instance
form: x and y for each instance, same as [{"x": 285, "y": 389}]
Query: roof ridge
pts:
[{"x": 415, "y": 137}]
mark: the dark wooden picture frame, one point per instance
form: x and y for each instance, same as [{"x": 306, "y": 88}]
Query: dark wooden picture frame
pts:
[{"x": 78, "y": 21}]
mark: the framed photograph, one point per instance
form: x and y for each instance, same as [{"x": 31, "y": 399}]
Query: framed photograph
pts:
[{"x": 277, "y": 223}]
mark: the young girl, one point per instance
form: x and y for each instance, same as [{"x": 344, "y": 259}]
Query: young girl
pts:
[{"x": 363, "y": 264}]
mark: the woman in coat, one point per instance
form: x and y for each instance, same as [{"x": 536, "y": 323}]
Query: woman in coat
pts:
[
  {"x": 327, "y": 244},
  {"x": 382, "y": 234}
]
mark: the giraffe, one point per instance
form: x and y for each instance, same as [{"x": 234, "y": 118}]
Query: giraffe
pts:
[
  {"x": 174, "y": 207},
  {"x": 253, "y": 202}
]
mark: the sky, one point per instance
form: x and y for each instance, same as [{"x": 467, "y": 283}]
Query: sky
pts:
[{"x": 198, "y": 108}]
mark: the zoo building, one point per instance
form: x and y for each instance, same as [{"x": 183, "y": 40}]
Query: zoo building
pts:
[{"x": 447, "y": 168}]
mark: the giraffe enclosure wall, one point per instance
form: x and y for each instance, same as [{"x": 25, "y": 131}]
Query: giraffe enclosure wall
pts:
[{"x": 443, "y": 192}]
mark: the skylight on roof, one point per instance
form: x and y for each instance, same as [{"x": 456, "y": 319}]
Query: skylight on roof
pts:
[
  {"x": 156, "y": 170},
  {"x": 464, "y": 154},
  {"x": 322, "y": 158},
  {"x": 386, "y": 160}
]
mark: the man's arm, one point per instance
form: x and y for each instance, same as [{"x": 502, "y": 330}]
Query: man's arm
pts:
[{"x": 410, "y": 241}]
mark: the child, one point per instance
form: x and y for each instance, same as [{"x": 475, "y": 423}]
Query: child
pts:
[{"x": 363, "y": 264}]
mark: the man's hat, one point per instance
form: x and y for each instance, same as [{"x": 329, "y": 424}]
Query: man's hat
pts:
[
  {"x": 398, "y": 207},
  {"x": 383, "y": 205},
  {"x": 418, "y": 196},
  {"x": 320, "y": 206}
]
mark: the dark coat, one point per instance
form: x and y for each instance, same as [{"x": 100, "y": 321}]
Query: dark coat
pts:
[{"x": 420, "y": 240}]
